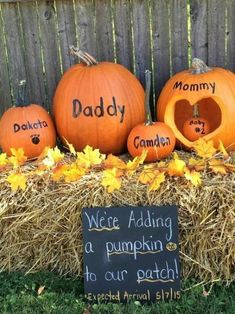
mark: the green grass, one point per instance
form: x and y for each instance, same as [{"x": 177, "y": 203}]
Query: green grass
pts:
[{"x": 19, "y": 294}]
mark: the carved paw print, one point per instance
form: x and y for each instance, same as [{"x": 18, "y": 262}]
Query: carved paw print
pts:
[{"x": 35, "y": 139}]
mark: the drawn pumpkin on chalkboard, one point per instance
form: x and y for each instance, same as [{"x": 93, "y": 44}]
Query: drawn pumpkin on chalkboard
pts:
[
  {"x": 26, "y": 126},
  {"x": 97, "y": 104},
  {"x": 155, "y": 137},
  {"x": 212, "y": 91}
]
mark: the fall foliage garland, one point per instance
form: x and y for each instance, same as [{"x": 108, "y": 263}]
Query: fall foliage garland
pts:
[{"x": 70, "y": 168}]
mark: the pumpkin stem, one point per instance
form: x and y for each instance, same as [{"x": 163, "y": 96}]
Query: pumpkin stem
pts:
[
  {"x": 21, "y": 99},
  {"x": 196, "y": 111},
  {"x": 148, "y": 117},
  {"x": 88, "y": 59},
  {"x": 199, "y": 66}
]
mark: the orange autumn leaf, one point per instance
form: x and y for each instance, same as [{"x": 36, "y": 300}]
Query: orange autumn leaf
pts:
[
  {"x": 159, "y": 178},
  {"x": 176, "y": 166},
  {"x": 193, "y": 176},
  {"x": 17, "y": 181},
  {"x": 114, "y": 162},
  {"x": 111, "y": 179},
  {"x": 217, "y": 166},
  {"x": 204, "y": 149},
  {"x": 89, "y": 157},
  {"x": 18, "y": 157}
]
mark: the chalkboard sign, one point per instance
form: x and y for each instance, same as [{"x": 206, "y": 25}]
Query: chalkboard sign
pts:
[{"x": 131, "y": 253}]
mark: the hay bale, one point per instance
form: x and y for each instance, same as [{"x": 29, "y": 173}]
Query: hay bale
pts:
[{"x": 41, "y": 227}]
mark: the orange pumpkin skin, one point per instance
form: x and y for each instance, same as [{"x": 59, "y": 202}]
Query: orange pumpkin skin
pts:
[
  {"x": 98, "y": 105},
  {"x": 29, "y": 127},
  {"x": 157, "y": 138},
  {"x": 213, "y": 91},
  {"x": 195, "y": 128}
]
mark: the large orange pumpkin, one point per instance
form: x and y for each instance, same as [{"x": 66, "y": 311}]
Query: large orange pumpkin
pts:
[
  {"x": 97, "y": 104},
  {"x": 155, "y": 137},
  {"x": 29, "y": 127},
  {"x": 213, "y": 89}
]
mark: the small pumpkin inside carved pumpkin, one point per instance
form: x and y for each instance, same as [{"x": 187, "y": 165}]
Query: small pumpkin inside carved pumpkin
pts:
[
  {"x": 26, "y": 126},
  {"x": 97, "y": 104},
  {"x": 155, "y": 137},
  {"x": 212, "y": 89},
  {"x": 195, "y": 127}
]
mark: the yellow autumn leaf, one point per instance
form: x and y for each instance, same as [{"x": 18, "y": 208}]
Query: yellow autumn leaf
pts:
[
  {"x": 217, "y": 166},
  {"x": 18, "y": 157},
  {"x": 204, "y": 149},
  {"x": 193, "y": 176},
  {"x": 147, "y": 175},
  {"x": 53, "y": 156},
  {"x": 17, "y": 181},
  {"x": 114, "y": 162},
  {"x": 3, "y": 160},
  {"x": 111, "y": 179},
  {"x": 222, "y": 149},
  {"x": 43, "y": 153},
  {"x": 176, "y": 166},
  {"x": 157, "y": 181},
  {"x": 70, "y": 147},
  {"x": 133, "y": 165},
  {"x": 161, "y": 164},
  {"x": 198, "y": 164},
  {"x": 89, "y": 157},
  {"x": 73, "y": 173},
  {"x": 58, "y": 172},
  {"x": 230, "y": 167}
]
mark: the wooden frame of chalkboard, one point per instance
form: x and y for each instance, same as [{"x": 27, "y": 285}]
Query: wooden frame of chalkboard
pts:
[{"x": 131, "y": 253}]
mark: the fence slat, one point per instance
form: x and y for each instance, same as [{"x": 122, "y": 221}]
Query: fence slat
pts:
[
  {"x": 5, "y": 92},
  {"x": 66, "y": 31},
  {"x": 216, "y": 32},
  {"x": 161, "y": 46},
  {"x": 199, "y": 29},
  {"x": 230, "y": 35},
  {"x": 104, "y": 31},
  {"x": 15, "y": 51},
  {"x": 179, "y": 35},
  {"x": 84, "y": 16},
  {"x": 34, "y": 66},
  {"x": 141, "y": 29},
  {"x": 122, "y": 20},
  {"x": 49, "y": 44}
]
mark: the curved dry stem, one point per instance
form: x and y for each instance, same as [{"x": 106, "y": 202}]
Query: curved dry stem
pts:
[
  {"x": 199, "y": 66},
  {"x": 84, "y": 56}
]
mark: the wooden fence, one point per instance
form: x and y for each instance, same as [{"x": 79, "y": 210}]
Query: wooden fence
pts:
[{"x": 161, "y": 35}]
